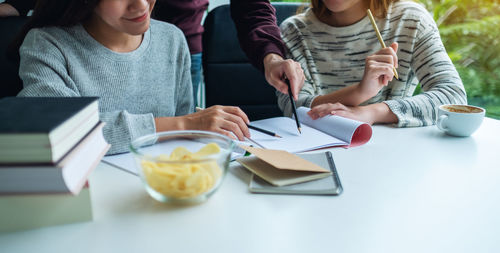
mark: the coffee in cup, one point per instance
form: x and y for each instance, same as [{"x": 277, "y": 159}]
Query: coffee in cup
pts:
[{"x": 459, "y": 120}]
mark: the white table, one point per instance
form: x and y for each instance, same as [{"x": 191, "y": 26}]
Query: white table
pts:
[{"x": 407, "y": 190}]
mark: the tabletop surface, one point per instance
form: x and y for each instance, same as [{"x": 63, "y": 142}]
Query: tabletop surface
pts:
[{"x": 406, "y": 190}]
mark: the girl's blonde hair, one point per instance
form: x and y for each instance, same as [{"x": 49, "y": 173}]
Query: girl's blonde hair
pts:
[{"x": 378, "y": 7}]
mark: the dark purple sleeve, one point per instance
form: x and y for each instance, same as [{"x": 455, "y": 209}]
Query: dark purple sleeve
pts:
[
  {"x": 258, "y": 31},
  {"x": 22, "y": 6}
]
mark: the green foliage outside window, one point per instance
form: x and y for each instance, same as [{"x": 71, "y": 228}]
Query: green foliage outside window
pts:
[{"x": 470, "y": 30}]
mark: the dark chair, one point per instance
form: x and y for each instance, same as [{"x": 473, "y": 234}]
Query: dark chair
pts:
[
  {"x": 10, "y": 83},
  {"x": 229, "y": 77}
]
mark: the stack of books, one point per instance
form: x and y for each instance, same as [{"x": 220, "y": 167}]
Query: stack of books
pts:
[{"x": 48, "y": 148}]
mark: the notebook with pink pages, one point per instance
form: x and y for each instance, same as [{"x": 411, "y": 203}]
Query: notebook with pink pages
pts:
[{"x": 329, "y": 131}]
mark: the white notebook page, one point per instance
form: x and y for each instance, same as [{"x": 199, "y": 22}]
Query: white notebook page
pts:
[{"x": 292, "y": 141}]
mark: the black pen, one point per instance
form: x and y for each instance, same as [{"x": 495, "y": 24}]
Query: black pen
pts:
[
  {"x": 263, "y": 131},
  {"x": 294, "y": 109}
]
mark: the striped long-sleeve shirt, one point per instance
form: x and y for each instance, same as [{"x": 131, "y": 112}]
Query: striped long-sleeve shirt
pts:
[{"x": 334, "y": 57}]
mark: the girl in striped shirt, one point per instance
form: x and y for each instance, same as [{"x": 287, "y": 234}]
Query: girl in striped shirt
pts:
[{"x": 348, "y": 73}]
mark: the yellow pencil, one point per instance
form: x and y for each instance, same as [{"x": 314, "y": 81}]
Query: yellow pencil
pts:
[{"x": 380, "y": 38}]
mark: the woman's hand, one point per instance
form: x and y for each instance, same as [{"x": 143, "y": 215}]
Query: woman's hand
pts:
[
  {"x": 378, "y": 70},
  {"x": 352, "y": 112},
  {"x": 226, "y": 120},
  {"x": 371, "y": 114}
]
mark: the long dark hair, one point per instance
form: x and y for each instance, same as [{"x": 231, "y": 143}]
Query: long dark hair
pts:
[{"x": 53, "y": 13}]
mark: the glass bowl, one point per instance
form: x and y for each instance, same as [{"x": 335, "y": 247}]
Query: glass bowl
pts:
[{"x": 182, "y": 166}]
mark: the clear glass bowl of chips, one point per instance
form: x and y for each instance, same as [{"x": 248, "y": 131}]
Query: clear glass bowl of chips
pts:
[{"x": 182, "y": 166}]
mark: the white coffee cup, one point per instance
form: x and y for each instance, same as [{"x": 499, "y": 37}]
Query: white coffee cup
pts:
[{"x": 460, "y": 120}]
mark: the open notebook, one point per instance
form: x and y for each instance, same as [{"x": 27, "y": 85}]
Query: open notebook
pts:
[{"x": 329, "y": 131}]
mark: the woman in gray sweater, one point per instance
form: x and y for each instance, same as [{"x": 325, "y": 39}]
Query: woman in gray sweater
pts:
[{"x": 140, "y": 68}]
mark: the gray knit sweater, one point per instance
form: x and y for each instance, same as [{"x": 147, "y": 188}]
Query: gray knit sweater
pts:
[
  {"x": 152, "y": 81},
  {"x": 334, "y": 58}
]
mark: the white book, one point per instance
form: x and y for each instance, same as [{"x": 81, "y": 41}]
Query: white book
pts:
[
  {"x": 67, "y": 176},
  {"x": 30, "y": 211}
]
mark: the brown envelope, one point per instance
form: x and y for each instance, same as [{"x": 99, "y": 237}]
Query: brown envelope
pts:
[{"x": 284, "y": 160}]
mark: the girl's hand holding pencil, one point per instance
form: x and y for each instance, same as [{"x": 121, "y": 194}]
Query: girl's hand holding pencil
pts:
[
  {"x": 378, "y": 70},
  {"x": 380, "y": 39}
]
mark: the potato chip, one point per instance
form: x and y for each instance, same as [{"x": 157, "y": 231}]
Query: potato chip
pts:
[
  {"x": 183, "y": 180},
  {"x": 209, "y": 149}
]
